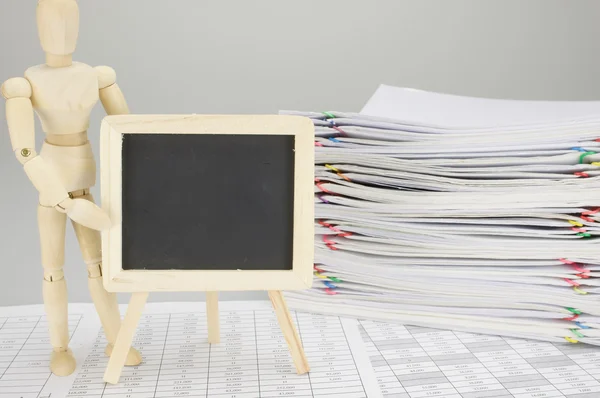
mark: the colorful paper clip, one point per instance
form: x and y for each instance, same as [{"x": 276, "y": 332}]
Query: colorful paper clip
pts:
[
  {"x": 577, "y": 333},
  {"x": 337, "y": 171},
  {"x": 571, "y": 318},
  {"x": 330, "y": 291},
  {"x": 571, "y": 340},
  {"x": 581, "y": 325},
  {"x": 319, "y": 185},
  {"x": 329, "y": 115},
  {"x": 571, "y": 282},
  {"x": 577, "y": 290},
  {"x": 565, "y": 261},
  {"x": 581, "y": 174},
  {"x": 588, "y": 212},
  {"x": 338, "y": 129},
  {"x": 578, "y": 148},
  {"x": 575, "y": 223},
  {"x": 574, "y": 311},
  {"x": 583, "y": 155},
  {"x": 329, "y": 285},
  {"x": 320, "y": 197}
]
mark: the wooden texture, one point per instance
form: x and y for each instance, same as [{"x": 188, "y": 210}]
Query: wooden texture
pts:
[
  {"x": 118, "y": 280},
  {"x": 16, "y": 87},
  {"x": 212, "y": 317},
  {"x": 125, "y": 337},
  {"x": 289, "y": 331},
  {"x": 64, "y": 97},
  {"x": 113, "y": 100},
  {"x": 62, "y": 93},
  {"x": 58, "y": 26},
  {"x": 54, "y": 288}
]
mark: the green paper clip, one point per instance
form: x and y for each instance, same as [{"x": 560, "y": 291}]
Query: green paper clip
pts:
[
  {"x": 333, "y": 278},
  {"x": 329, "y": 115},
  {"x": 583, "y": 155},
  {"x": 584, "y": 234},
  {"x": 577, "y": 333},
  {"x": 573, "y": 311}
]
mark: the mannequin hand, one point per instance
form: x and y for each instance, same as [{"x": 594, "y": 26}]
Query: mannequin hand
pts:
[{"x": 85, "y": 213}]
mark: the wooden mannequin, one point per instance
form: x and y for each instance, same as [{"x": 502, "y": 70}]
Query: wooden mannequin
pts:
[{"x": 63, "y": 93}]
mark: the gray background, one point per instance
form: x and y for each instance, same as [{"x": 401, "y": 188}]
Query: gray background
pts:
[{"x": 226, "y": 56}]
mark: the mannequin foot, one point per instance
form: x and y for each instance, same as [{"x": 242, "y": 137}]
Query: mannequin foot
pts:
[
  {"x": 62, "y": 363},
  {"x": 134, "y": 358}
]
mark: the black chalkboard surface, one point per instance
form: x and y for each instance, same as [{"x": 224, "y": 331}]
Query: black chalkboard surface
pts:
[{"x": 207, "y": 202}]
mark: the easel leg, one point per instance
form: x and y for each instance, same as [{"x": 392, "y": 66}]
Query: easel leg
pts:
[
  {"x": 289, "y": 331},
  {"x": 125, "y": 337},
  {"x": 212, "y": 315}
]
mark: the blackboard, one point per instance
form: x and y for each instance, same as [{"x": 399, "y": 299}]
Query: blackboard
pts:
[{"x": 207, "y": 201}]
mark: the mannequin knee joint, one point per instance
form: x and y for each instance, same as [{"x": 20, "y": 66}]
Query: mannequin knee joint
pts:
[
  {"x": 94, "y": 270},
  {"x": 54, "y": 275}
]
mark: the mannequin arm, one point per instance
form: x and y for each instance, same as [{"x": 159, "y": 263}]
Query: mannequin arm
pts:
[
  {"x": 19, "y": 116},
  {"x": 111, "y": 96}
]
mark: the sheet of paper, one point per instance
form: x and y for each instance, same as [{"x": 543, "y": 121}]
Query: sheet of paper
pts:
[
  {"x": 252, "y": 359},
  {"x": 414, "y": 362},
  {"x": 25, "y": 350},
  {"x": 458, "y": 111}
]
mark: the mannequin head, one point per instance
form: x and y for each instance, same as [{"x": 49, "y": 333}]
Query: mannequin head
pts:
[{"x": 58, "y": 26}]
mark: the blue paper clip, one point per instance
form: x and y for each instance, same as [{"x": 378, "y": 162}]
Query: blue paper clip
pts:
[
  {"x": 329, "y": 284},
  {"x": 582, "y": 325},
  {"x": 333, "y": 139},
  {"x": 578, "y": 148}
]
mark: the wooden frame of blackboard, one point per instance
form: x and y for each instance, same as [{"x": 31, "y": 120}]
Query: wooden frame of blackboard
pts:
[{"x": 118, "y": 280}]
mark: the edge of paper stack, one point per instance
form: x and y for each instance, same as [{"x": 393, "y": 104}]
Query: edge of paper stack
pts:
[{"x": 438, "y": 222}]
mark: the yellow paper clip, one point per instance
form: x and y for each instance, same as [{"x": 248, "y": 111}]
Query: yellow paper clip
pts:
[
  {"x": 320, "y": 276},
  {"x": 575, "y": 223},
  {"x": 595, "y": 163},
  {"x": 570, "y": 340},
  {"x": 578, "y": 290},
  {"x": 337, "y": 171}
]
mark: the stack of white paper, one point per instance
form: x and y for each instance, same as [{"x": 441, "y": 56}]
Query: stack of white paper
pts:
[{"x": 450, "y": 224}]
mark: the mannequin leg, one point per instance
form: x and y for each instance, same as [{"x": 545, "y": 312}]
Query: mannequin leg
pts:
[
  {"x": 51, "y": 225},
  {"x": 105, "y": 302}
]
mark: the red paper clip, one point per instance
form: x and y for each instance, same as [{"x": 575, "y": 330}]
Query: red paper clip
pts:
[
  {"x": 581, "y": 174},
  {"x": 339, "y": 232},
  {"x": 317, "y": 143},
  {"x": 330, "y": 291},
  {"x": 342, "y": 132},
  {"x": 571, "y": 282},
  {"x": 330, "y": 244},
  {"x": 587, "y": 213},
  {"x": 319, "y": 185}
]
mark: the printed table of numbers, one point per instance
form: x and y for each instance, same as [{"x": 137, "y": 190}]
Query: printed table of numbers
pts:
[
  {"x": 414, "y": 362},
  {"x": 252, "y": 359},
  {"x": 25, "y": 355}
]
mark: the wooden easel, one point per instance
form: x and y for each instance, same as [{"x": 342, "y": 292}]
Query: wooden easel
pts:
[
  {"x": 294, "y": 272},
  {"x": 134, "y": 312}
]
